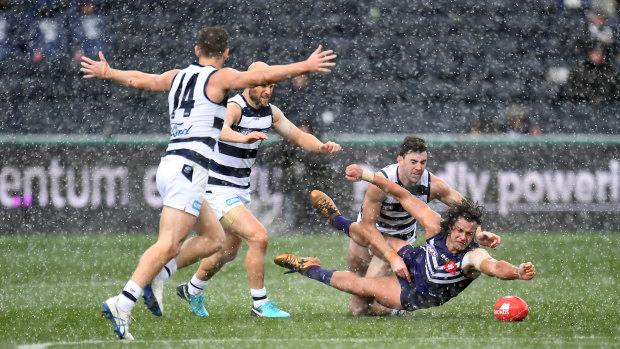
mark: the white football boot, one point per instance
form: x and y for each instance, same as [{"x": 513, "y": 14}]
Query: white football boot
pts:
[
  {"x": 120, "y": 319},
  {"x": 154, "y": 296}
]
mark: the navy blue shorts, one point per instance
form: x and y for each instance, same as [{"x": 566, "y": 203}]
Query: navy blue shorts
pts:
[{"x": 410, "y": 298}]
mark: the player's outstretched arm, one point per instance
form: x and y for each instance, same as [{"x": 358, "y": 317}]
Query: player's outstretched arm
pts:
[
  {"x": 414, "y": 206},
  {"x": 309, "y": 142},
  {"x": 503, "y": 270},
  {"x": 132, "y": 78},
  {"x": 231, "y": 79}
]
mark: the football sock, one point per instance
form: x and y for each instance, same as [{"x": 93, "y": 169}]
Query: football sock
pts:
[
  {"x": 127, "y": 298},
  {"x": 342, "y": 223},
  {"x": 196, "y": 286},
  {"x": 259, "y": 296},
  {"x": 168, "y": 269},
  {"x": 319, "y": 274}
]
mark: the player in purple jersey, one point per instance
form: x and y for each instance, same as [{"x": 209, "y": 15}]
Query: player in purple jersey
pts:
[
  {"x": 383, "y": 216},
  {"x": 443, "y": 268}
]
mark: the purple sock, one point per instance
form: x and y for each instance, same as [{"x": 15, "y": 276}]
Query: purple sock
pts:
[
  {"x": 319, "y": 274},
  {"x": 342, "y": 223}
]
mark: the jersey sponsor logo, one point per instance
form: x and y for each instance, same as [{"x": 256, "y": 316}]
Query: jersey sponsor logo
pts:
[
  {"x": 232, "y": 201},
  {"x": 450, "y": 267},
  {"x": 176, "y": 130},
  {"x": 196, "y": 205}
]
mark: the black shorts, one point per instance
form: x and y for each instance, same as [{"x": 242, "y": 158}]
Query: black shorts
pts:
[{"x": 410, "y": 298}]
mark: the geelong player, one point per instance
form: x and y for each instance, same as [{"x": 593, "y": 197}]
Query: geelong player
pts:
[
  {"x": 439, "y": 271},
  {"x": 384, "y": 216},
  {"x": 251, "y": 115},
  {"x": 197, "y": 107}
]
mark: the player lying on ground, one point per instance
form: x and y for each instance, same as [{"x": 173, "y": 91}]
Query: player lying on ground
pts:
[
  {"x": 442, "y": 269},
  {"x": 383, "y": 216}
]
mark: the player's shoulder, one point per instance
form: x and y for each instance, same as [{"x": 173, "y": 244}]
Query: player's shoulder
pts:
[
  {"x": 237, "y": 100},
  {"x": 227, "y": 70},
  {"x": 223, "y": 74},
  {"x": 390, "y": 171},
  {"x": 438, "y": 184}
]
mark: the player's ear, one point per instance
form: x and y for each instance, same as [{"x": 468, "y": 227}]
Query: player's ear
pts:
[
  {"x": 197, "y": 51},
  {"x": 225, "y": 54}
]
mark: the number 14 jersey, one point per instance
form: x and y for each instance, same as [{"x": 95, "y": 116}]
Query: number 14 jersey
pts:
[{"x": 195, "y": 121}]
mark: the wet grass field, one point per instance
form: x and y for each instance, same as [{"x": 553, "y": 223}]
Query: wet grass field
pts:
[{"x": 52, "y": 288}]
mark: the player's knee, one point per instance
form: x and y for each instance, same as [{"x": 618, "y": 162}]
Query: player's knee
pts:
[
  {"x": 217, "y": 239},
  {"x": 229, "y": 254},
  {"x": 357, "y": 309},
  {"x": 357, "y": 266},
  {"x": 259, "y": 239},
  {"x": 169, "y": 250}
]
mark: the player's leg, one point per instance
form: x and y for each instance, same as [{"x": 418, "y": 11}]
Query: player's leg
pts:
[
  {"x": 192, "y": 291},
  {"x": 386, "y": 290},
  {"x": 254, "y": 234},
  {"x": 208, "y": 240},
  {"x": 181, "y": 184},
  {"x": 174, "y": 227},
  {"x": 358, "y": 256},
  {"x": 363, "y": 305},
  {"x": 377, "y": 267}
]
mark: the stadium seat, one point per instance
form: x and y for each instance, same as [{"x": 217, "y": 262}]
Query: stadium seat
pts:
[
  {"x": 406, "y": 117},
  {"x": 452, "y": 54}
]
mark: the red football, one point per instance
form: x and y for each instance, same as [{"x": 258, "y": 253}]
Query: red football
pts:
[{"x": 510, "y": 308}]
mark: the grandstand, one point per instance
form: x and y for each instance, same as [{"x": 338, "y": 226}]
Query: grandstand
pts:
[{"x": 431, "y": 66}]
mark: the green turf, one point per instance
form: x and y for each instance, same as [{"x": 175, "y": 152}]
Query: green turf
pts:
[{"x": 52, "y": 287}]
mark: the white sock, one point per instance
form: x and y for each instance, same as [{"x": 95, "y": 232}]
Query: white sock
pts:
[
  {"x": 168, "y": 270},
  {"x": 259, "y": 296},
  {"x": 196, "y": 286},
  {"x": 127, "y": 299}
]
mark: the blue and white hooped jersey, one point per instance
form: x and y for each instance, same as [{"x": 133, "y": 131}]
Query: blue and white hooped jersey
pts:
[
  {"x": 439, "y": 274},
  {"x": 195, "y": 121},
  {"x": 394, "y": 219},
  {"x": 232, "y": 163}
]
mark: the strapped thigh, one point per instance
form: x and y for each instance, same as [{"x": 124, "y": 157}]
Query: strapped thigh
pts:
[{"x": 229, "y": 217}]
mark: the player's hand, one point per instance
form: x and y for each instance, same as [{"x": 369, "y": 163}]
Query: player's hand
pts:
[
  {"x": 255, "y": 136},
  {"x": 488, "y": 239},
  {"x": 330, "y": 148},
  {"x": 354, "y": 173},
  {"x": 319, "y": 60},
  {"x": 527, "y": 271},
  {"x": 400, "y": 268},
  {"x": 94, "y": 69}
]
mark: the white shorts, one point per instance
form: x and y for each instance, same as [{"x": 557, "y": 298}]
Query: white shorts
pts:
[
  {"x": 181, "y": 183},
  {"x": 223, "y": 199}
]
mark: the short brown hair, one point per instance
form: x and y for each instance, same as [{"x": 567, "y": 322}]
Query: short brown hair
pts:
[
  {"x": 414, "y": 144},
  {"x": 212, "y": 41}
]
